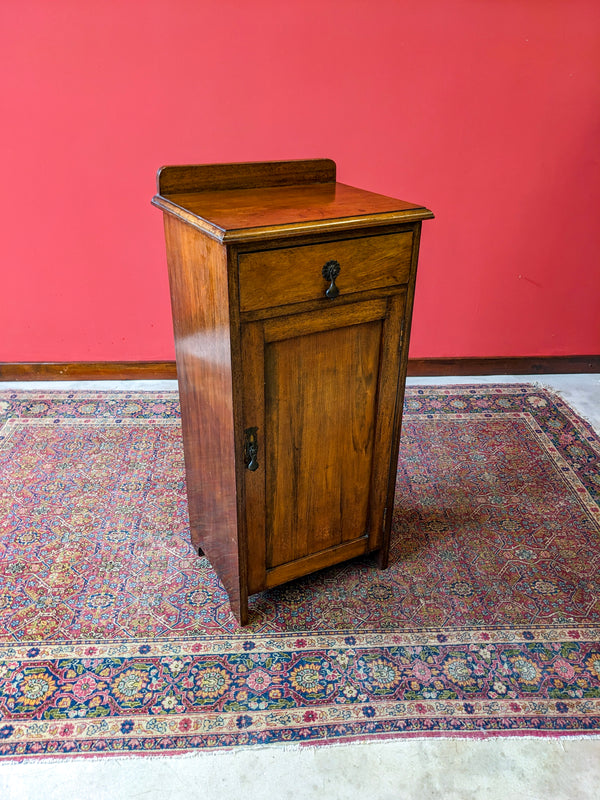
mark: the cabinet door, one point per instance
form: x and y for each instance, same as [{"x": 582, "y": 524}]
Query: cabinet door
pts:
[{"x": 319, "y": 401}]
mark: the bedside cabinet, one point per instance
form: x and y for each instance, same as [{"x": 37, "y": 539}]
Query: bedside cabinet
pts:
[{"x": 292, "y": 298}]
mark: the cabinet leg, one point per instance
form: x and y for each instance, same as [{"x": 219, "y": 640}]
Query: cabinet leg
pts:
[
  {"x": 240, "y": 610},
  {"x": 383, "y": 558}
]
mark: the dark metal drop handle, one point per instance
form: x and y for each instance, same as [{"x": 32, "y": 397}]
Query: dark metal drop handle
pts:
[
  {"x": 330, "y": 272},
  {"x": 251, "y": 449}
]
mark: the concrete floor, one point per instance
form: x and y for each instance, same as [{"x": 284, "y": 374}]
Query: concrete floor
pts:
[{"x": 400, "y": 769}]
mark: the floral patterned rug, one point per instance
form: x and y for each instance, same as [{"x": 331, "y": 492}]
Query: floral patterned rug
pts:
[{"x": 116, "y": 638}]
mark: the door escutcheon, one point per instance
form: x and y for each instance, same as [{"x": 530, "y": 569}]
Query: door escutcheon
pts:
[{"x": 251, "y": 449}]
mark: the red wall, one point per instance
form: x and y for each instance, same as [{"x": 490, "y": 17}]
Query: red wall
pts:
[{"x": 487, "y": 112}]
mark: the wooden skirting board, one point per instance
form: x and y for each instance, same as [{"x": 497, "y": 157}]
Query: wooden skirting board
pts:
[
  {"x": 88, "y": 371},
  {"x": 526, "y": 365},
  {"x": 419, "y": 367}
]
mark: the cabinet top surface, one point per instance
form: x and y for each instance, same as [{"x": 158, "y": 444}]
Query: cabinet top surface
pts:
[{"x": 248, "y": 213}]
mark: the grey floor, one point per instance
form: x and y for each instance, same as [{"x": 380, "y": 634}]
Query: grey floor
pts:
[{"x": 456, "y": 769}]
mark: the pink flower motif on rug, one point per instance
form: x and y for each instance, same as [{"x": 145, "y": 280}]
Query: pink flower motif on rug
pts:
[{"x": 116, "y": 637}]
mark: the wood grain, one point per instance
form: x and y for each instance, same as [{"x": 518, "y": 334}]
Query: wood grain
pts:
[
  {"x": 325, "y": 319},
  {"x": 395, "y": 409},
  {"x": 88, "y": 371},
  {"x": 319, "y": 427},
  {"x": 386, "y": 444},
  {"x": 254, "y": 484},
  {"x": 316, "y": 561},
  {"x": 294, "y": 274},
  {"x": 260, "y": 347},
  {"x": 502, "y": 365},
  {"x": 245, "y": 175},
  {"x": 199, "y": 297},
  {"x": 294, "y": 229},
  {"x": 322, "y": 392},
  {"x": 247, "y": 214}
]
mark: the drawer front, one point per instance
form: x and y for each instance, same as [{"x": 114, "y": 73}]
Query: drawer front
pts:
[{"x": 295, "y": 274}]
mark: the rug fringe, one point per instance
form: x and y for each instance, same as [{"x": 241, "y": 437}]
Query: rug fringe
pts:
[
  {"x": 562, "y": 395},
  {"x": 479, "y": 737}
]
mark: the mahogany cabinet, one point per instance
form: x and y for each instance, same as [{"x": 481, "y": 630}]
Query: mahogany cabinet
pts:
[{"x": 292, "y": 298}]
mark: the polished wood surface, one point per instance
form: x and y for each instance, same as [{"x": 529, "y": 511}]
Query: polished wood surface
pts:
[
  {"x": 291, "y": 378},
  {"x": 201, "y": 322},
  {"x": 248, "y": 175},
  {"x": 320, "y": 411},
  {"x": 88, "y": 371},
  {"x": 323, "y": 393},
  {"x": 316, "y": 561},
  {"x": 247, "y": 214},
  {"x": 396, "y": 354},
  {"x": 258, "y": 201},
  {"x": 519, "y": 365},
  {"x": 294, "y": 274},
  {"x": 256, "y": 208}
]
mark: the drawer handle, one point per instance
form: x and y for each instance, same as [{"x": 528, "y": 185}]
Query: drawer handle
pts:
[
  {"x": 330, "y": 272},
  {"x": 251, "y": 449}
]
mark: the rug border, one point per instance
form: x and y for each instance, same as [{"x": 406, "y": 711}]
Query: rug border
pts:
[{"x": 521, "y": 389}]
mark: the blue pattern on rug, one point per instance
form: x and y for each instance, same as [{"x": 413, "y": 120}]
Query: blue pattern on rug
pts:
[{"x": 116, "y": 637}]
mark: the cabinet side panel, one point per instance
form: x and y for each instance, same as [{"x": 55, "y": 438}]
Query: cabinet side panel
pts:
[
  {"x": 388, "y": 389},
  {"x": 397, "y": 426},
  {"x": 199, "y": 298}
]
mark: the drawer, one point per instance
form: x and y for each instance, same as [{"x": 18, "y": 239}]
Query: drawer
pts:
[{"x": 295, "y": 274}]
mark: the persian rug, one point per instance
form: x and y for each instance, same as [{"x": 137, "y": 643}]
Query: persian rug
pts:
[{"x": 115, "y": 637}]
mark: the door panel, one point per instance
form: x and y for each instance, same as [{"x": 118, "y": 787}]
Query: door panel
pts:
[
  {"x": 320, "y": 393},
  {"x": 321, "y": 389}
]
